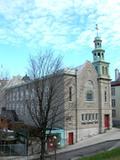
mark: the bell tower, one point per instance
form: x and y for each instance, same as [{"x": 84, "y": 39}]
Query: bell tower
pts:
[
  {"x": 104, "y": 85},
  {"x": 101, "y": 66}
]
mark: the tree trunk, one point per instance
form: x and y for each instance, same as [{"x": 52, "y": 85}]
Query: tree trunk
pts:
[{"x": 42, "y": 149}]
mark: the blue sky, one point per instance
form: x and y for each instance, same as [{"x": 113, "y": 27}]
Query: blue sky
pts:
[{"x": 65, "y": 26}]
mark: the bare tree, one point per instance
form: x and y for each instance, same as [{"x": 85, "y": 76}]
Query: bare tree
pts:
[{"x": 46, "y": 108}]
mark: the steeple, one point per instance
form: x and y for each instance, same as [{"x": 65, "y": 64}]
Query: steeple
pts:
[
  {"x": 104, "y": 84},
  {"x": 98, "y": 52},
  {"x": 98, "y": 56}
]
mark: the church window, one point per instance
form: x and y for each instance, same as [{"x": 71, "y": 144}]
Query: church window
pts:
[
  {"x": 86, "y": 117},
  {"x": 99, "y": 54},
  {"x": 96, "y": 116},
  {"x": 82, "y": 117},
  {"x": 68, "y": 118},
  {"x": 89, "y": 91},
  {"x": 105, "y": 96},
  {"x": 106, "y": 70},
  {"x": 89, "y": 95},
  {"x": 102, "y": 69},
  {"x": 70, "y": 93},
  {"x": 89, "y": 117},
  {"x": 102, "y": 55}
]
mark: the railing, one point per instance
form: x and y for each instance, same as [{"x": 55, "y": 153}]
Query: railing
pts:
[{"x": 13, "y": 150}]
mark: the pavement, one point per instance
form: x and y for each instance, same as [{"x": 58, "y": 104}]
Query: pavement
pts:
[{"x": 112, "y": 134}]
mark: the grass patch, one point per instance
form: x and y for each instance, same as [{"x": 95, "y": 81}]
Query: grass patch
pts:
[{"x": 108, "y": 155}]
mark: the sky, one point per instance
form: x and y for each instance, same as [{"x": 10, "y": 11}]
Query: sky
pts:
[{"x": 65, "y": 26}]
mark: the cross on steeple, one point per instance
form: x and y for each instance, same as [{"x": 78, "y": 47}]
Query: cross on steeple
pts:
[{"x": 97, "y": 29}]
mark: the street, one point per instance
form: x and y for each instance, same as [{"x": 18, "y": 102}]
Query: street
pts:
[{"x": 86, "y": 151}]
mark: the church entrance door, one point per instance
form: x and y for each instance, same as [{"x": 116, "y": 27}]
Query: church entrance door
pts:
[
  {"x": 70, "y": 138},
  {"x": 106, "y": 121}
]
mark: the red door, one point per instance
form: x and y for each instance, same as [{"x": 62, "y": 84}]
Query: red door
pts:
[
  {"x": 106, "y": 121},
  {"x": 70, "y": 138}
]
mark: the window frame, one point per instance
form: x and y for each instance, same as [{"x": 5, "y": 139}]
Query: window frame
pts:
[{"x": 89, "y": 96}]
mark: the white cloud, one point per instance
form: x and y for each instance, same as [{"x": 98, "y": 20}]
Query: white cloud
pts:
[{"x": 66, "y": 23}]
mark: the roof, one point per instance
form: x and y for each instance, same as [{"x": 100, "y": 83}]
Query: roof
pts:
[
  {"x": 15, "y": 81},
  {"x": 72, "y": 71},
  {"x": 115, "y": 83}
]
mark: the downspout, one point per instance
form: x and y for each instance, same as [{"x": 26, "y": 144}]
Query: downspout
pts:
[
  {"x": 76, "y": 118},
  {"x": 100, "y": 106}
]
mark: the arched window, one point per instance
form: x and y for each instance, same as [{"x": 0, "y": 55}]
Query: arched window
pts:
[
  {"x": 89, "y": 91},
  {"x": 99, "y": 54}
]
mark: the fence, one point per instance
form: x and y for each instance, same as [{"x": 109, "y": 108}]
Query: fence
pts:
[{"x": 13, "y": 150}]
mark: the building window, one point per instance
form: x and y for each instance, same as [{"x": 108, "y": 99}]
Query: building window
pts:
[
  {"x": 86, "y": 117},
  {"x": 106, "y": 70},
  {"x": 21, "y": 94},
  {"x": 82, "y": 117},
  {"x": 70, "y": 93},
  {"x": 89, "y": 117},
  {"x": 113, "y": 91},
  {"x": 89, "y": 95},
  {"x": 93, "y": 117},
  {"x": 102, "y": 55},
  {"x": 102, "y": 69},
  {"x": 98, "y": 54},
  {"x": 96, "y": 116},
  {"x": 113, "y": 103},
  {"x": 105, "y": 96},
  {"x": 68, "y": 118},
  {"x": 113, "y": 113}
]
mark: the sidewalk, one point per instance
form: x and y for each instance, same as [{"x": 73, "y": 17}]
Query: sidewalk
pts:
[
  {"x": 113, "y": 134},
  {"x": 109, "y": 135}
]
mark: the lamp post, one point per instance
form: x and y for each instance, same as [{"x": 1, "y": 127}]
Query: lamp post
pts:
[{"x": 55, "y": 145}]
